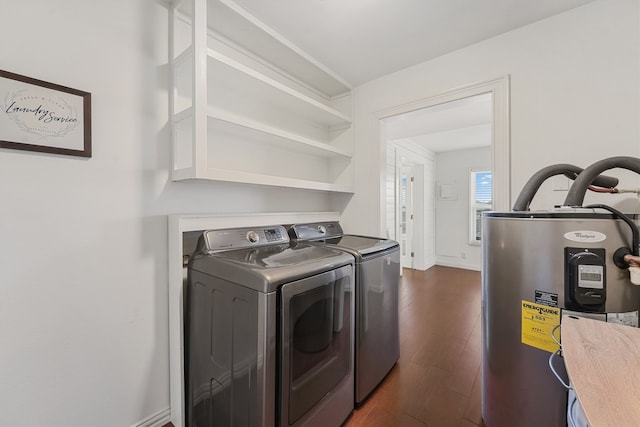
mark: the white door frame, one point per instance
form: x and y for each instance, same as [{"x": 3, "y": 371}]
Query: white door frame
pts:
[{"x": 500, "y": 135}]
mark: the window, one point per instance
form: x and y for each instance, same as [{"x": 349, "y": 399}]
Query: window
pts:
[{"x": 480, "y": 199}]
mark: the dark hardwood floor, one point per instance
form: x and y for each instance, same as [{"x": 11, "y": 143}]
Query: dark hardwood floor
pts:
[{"x": 436, "y": 382}]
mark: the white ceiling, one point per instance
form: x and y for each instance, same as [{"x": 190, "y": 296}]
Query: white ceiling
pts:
[{"x": 362, "y": 40}]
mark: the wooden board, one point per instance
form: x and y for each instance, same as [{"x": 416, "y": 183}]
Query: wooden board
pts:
[{"x": 603, "y": 362}]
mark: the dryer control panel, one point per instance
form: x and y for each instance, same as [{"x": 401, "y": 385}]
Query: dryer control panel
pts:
[{"x": 315, "y": 230}]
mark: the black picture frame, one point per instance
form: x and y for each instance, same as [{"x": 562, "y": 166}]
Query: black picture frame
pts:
[{"x": 45, "y": 117}]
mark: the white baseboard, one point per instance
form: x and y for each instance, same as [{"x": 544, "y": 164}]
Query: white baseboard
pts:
[
  {"x": 455, "y": 264},
  {"x": 156, "y": 420}
]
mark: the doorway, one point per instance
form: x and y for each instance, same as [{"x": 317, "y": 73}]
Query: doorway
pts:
[{"x": 448, "y": 137}]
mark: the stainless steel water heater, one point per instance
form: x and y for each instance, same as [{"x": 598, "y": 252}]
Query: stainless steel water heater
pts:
[{"x": 537, "y": 265}]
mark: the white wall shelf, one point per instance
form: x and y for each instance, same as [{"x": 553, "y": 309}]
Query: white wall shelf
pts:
[
  {"x": 277, "y": 136},
  {"x": 224, "y": 72},
  {"x": 235, "y": 25},
  {"x": 229, "y": 175},
  {"x": 249, "y": 106}
]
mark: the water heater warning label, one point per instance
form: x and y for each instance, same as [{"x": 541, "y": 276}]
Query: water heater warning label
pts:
[
  {"x": 546, "y": 298},
  {"x": 538, "y": 321}
]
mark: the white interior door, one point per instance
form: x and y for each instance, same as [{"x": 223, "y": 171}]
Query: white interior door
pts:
[{"x": 406, "y": 215}]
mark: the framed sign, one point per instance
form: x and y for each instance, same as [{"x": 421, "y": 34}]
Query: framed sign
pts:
[{"x": 39, "y": 116}]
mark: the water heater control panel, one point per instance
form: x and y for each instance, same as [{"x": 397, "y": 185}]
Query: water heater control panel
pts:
[
  {"x": 590, "y": 276},
  {"x": 585, "y": 279}
]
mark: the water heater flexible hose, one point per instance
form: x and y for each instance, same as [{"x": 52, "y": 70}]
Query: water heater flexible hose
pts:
[
  {"x": 570, "y": 171},
  {"x": 576, "y": 194}
]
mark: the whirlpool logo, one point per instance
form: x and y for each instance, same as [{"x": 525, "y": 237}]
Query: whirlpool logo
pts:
[{"x": 585, "y": 236}]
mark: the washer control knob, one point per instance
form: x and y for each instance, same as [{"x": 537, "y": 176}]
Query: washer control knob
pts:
[
  {"x": 253, "y": 237},
  {"x": 322, "y": 229}
]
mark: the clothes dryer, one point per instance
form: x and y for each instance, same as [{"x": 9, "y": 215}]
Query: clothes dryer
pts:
[
  {"x": 377, "y": 278},
  {"x": 269, "y": 331}
]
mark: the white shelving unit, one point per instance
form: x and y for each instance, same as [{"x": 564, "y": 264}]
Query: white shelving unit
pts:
[{"x": 249, "y": 106}]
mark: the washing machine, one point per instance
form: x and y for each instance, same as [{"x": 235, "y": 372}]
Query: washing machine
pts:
[
  {"x": 269, "y": 331},
  {"x": 377, "y": 278}
]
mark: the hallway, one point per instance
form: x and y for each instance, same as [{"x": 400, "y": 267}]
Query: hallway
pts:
[{"x": 436, "y": 383}]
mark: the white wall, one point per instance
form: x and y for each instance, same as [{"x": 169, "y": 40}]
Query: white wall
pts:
[
  {"x": 83, "y": 243},
  {"x": 575, "y": 93},
  {"x": 452, "y": 215}
]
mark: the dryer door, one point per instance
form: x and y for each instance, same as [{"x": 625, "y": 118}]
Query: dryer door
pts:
[{"x": 316, "y": 350}]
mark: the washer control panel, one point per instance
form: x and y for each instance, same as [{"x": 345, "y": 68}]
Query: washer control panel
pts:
[
  {"x": 253, "y": 237},
  {"x": 235, "y": 238},
  {"x": 275, "y": 234}
]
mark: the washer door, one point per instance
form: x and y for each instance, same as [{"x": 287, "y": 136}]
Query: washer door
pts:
[{"x": 315, "y": 346}]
